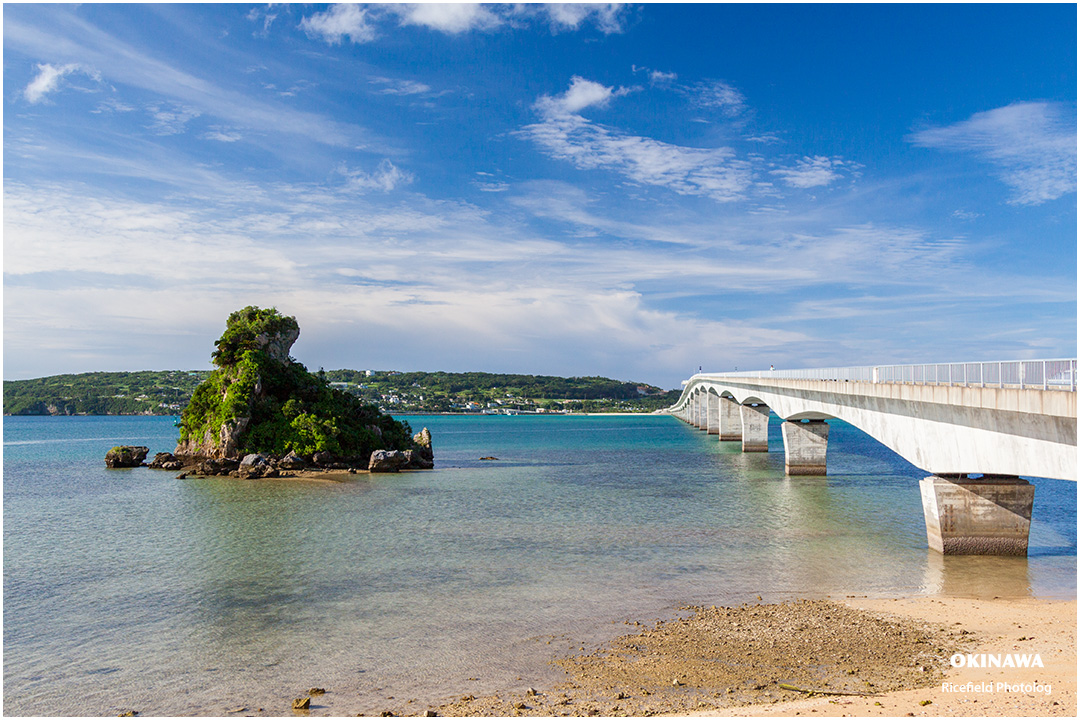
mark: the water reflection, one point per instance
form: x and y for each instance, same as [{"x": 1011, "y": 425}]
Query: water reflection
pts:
[{"x": 977, "y": 576}]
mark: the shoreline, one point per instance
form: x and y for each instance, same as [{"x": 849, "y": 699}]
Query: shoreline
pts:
[{"x": 872, "y": 656}]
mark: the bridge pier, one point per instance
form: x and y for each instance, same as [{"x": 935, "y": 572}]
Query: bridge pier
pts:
[
  {"x": 755, "y": 427},
  {"x": 729, "y": 420},
  {"x": 989, "y": 515},
  {"x": 805, "y": 443},
  {"x": 701, "y": 408},
  {"x": 712, "y": 411}
]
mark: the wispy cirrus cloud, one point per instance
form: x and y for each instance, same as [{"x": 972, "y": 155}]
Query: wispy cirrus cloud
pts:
[
  {"x": 814, "y": 171},
  {"x": 717, "y": 95},
  {"x": 385, "y": 177},
  {"x": 391, "y": 86},
  {"x": 565, "y": 135},
  {"x": 171, "y": 119},
  {"x": 1031, "y": 145},
  {"x": 222, "y": 135},
  {"x": 77, "y": 42}
]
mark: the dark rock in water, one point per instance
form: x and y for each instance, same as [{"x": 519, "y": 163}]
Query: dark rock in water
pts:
[
  {"x": 255, "y": 465},
  {"x": 383, "y": 461},
  {"x": 324, "y": 459},
  {"x": 253, "y": 459},
  {"x": 212, "y": 466},
  {"x": 415, "y": 460},
  {"x": 126, "y": 456},
  {"x": 317, "y": 691},
  {"x": 165, "y": 461},
  {"x": 292, "y": 461},
  {"x": 182, "y": 476},
  {"x": 489, "y": 457},
  {"x": 301, "y": 703}
]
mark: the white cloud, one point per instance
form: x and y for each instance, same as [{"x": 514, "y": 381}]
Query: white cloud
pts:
[
  {"x": 48, "y": 80},
  {"x": 400, "y": 87},
  {"x": 660, "y": 77},
  {"x": 813, "y": 171},
  {"x": 581, "y": 94},
  {"x": 562, "y": 134},
  {"x": 399, "y": 279},
  {"x": 608, "y": 17},
  {"x": 452, "y": 18},
  {"x": 386, "y": 177},
  {"x": 358, "y": 22},
  {"x": 1032, "y": 146},
  {"x": 343, "y": 20}
]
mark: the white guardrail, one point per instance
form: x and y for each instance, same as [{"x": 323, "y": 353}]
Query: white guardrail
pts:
[{"x": 1033, "y": 374}]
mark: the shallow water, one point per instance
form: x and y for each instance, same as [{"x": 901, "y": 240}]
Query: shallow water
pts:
[{"x": 132, "y": 589}]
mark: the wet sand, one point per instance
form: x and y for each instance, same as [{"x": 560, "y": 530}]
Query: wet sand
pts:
[{"x": 844, "y": 657}]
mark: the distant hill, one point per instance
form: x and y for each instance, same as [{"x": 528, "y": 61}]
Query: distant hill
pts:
[
  {"x": 168, "y": 392},
  {"x": 103, "y": 393}
]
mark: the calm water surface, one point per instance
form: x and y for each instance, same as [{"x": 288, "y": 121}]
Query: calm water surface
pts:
[{"x": 130, "y": 589}]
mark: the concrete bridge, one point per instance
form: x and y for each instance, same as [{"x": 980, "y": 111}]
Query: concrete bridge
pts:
[{"x": 975, "y": 427}]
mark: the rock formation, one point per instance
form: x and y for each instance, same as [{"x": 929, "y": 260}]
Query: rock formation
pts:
[
  {"x": 262, "y": 402},
  {"x": 126, "y": 456}
]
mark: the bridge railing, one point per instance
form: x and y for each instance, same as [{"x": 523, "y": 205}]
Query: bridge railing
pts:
[{"x": 1034, "y": 374}]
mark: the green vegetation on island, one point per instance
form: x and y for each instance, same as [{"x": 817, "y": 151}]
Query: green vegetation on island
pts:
[
  {"x": 260, "y": 400},
  {"x": 103, "y": 393},
  {"x": 420, "y": 392}
]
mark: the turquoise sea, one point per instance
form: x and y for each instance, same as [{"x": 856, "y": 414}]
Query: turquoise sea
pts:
[{"x": 131, "y": 589}]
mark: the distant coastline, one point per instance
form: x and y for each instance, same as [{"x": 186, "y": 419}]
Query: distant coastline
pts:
[{"x": 408, "y": 393}]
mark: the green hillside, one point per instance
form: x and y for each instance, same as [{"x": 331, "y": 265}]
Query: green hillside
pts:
[{"x": 168, "y": 392}]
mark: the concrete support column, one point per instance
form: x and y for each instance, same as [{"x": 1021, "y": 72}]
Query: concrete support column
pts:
[
  {"x": 703, "y": 411},
  {"x": 990, "y": 515},
  {"x": 805, "y": 443},
  {"x": 712, "y": 421},
  {"x": 755, "y": 428},
  {"x": 730, "y": 419},
  {"x": 691, "y": 409}
]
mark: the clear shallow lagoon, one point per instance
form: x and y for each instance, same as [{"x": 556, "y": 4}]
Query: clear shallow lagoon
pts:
[{"x": 132, "y": 589}]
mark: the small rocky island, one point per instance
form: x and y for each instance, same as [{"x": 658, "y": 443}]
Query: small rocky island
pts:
[{"x": 261, "y": 413}]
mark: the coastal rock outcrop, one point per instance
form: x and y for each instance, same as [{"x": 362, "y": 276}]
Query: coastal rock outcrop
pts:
[
  {"x": 165, "y": 461},
  {"x": 384, "y": 461},
  {"x": 126, "y": 456},
  {"x": 261, "y": 401}
]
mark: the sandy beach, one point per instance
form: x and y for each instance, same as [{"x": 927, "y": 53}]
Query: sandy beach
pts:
[{"x": 849, "y": 656}]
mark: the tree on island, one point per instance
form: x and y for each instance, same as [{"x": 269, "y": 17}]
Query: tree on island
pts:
[{"x": 260, "y": 400}]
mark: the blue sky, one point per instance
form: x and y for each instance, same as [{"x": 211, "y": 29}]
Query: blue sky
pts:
[{"x": 629, "y": 191}]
